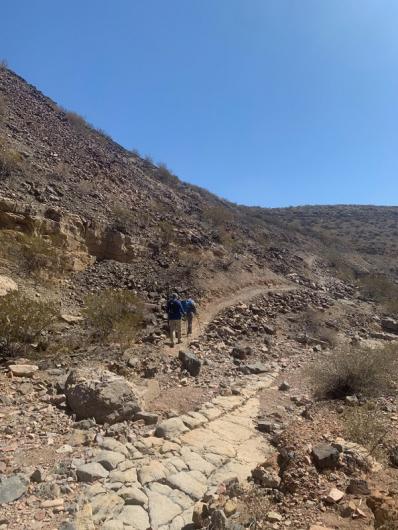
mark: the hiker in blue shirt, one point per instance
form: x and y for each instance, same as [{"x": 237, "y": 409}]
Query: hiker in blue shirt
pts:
[
  {"x": 190, "y": 310},
  {"x": 175, "y": 312}
]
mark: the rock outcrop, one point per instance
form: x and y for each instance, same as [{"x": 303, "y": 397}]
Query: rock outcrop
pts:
[{"x": 101, "y": 395}]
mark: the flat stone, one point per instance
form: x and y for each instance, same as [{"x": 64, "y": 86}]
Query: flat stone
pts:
[
  {"x": 110, "y": 444},
  {"x": 133, "y": 496},
  {"x": 228, "y": 402},
  {"x": 231, "y": 471},
  {"x": 211, "y": 413},
  {"x": 169, "y": 447},
  {"x": 182, "y": 521},
  {"x": 91, "y": 472},
  {"x": 134, "y": 516},
  {"x": 109, "y": 459},
  {"x": 124, "y": 466},
  {"x": 274, "y": 517},
  {"x": 193, "y": 483},
  {"x": 175, "y": 464},
  {"x": 93, "y": 490},
  {"x": 208, "y": 441},
  {"x": 52, "y": 503},
  {"x": 195, "y": 462},
  {"x": 162, "y": 510},
  {"x": 113, "y": 525},
  {"x": 12, "y": 488},
  {"x": 230, "y": 432},
  {"x": 334, "y": 495},
  {"x": 105, "y": 505},
  {"x": 171, "y": 428},
  {"x": 191, "y": 422},
  {"x": 130, "y": 475},
  {"x": 177, "y": 496},
  {"x": 149, "y": 418},
  {"x": 154, "y": 471},
  {"x": 23, "y": 370},
  {"x": 258, "y": 368}
]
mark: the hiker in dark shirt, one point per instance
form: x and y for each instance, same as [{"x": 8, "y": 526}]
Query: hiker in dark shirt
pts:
[{"x": 175, "y": 312}]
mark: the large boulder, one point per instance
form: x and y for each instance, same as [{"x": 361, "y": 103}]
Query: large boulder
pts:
[
  {"x": 12, "y": 487},
  {"x": 101, "y": 395},
  {"x": 190, "y": 363}
]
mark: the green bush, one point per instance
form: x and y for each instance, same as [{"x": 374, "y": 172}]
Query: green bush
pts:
[
  {"x": 22, "y": 319},
  {"x": 117, "y": 315},
  {"x": 365, "y": 372}
]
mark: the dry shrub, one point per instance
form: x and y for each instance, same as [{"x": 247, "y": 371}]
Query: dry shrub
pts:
[
  {"x": 315, "y": 327},
  {"x": 163, "y": 173},
  {"x": 39, "y": 255},
  {"x": 117, "y": 315},
  {"x": 3, "y": 108},
  {"x": 167, "y": 235},
  {"x": 77, "y": 121},
  {"x": 22, "y": 320},
  {"x": 10, "y": 161},
  {"x": 341, "y": 265},
  {"x": 365, "y": 427},
  {"x": 217, "y": 216},
  {"x": 382, "y": 290},
  {"x": 364, "y": 372},
  {"x": 123, "y": 218}
]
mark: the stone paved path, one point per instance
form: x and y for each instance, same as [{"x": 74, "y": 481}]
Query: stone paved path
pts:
[{"x": 156, "y": 482}]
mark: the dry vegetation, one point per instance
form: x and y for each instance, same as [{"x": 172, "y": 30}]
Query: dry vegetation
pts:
[
  {"x": 115, "y": 315},
  {"x": 22, "y": 320},
  {"x": 382, "y": 290},
  {"x": 10, "y": 161},
  {"x": 33, "y": 254},
  {"x": 363, "y": 426},
  {"x": 364, "y": 372}
]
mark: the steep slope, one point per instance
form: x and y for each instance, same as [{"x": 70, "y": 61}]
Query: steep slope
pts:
[{"x": 72, "y": 183}]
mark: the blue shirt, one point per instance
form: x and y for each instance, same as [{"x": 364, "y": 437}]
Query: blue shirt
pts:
[{"x": 175, "y": 310}]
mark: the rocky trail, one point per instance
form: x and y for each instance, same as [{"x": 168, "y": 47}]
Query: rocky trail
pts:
[
  {"x": 156, "y": 481},
  {"x": 209, "y": 310}
]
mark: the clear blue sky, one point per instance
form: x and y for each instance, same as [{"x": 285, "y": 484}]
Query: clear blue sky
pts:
[{"x": 268, "y": 102}]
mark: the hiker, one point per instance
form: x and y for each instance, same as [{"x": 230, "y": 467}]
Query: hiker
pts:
[
  {"x": 175, "y": 312},
  {"x": 190, "y": 310}
]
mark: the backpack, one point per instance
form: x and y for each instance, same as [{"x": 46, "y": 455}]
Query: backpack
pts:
[{"x": 188, "y": 306}]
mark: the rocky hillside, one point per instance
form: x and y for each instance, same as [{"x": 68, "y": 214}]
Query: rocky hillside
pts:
[
  {"x": 365, "y": 235},
  {"x": 63, "y": 179},
  {"x": 279, "y": 411}
]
